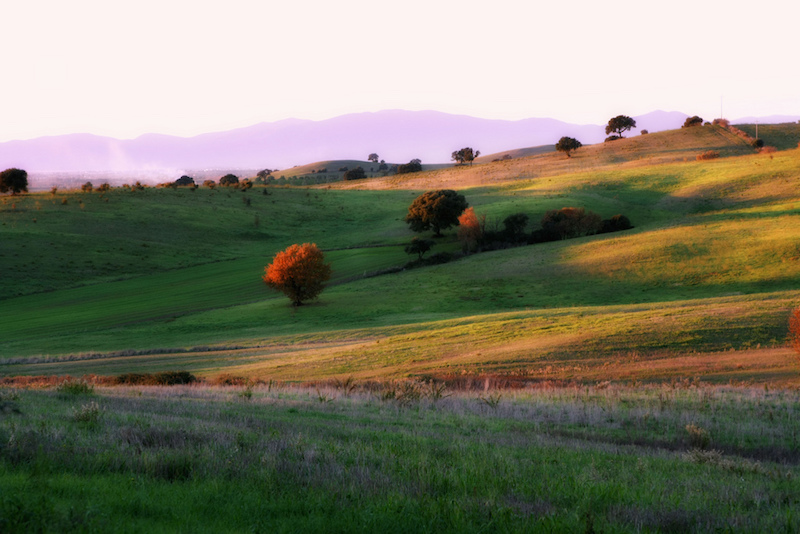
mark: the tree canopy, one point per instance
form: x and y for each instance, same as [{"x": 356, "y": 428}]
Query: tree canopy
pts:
[
  {"x": 300, "y": 272},
  {"x": 466, "y": 154},
  {"x": 619, "y": 124},
  {"x": 14, "y": 180},
  {"x": 692, "y": 121},
  {"x": 568, "y": 144},
  {"x": 373, "y": 158},
  {"x": 354, "y": 174},
  {"x": 436, "y": 210},
  {"x": 415, "y": 165},
  {"x": 229, "y": 179},
  {"x": 419, "y": 246}
]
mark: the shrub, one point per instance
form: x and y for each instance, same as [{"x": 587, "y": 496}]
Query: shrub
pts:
[
  {"x": 570, "y": 222},
  {"x": 211, "y": 184},
  {"x": 615, "y": 224},
  {"x": 725, "y": 123},
  {"x": 757, "y": 143},
  {"x": 470, "y": 229},
  {"x": 184, "y": 180},
  {"x": 708, "y": 154},
  {"x": 612, "y": 138},
  {"x": 103, "y": 188},
  {"x": 87, "y": 187},
  {"x": 514, "y": 226},
  {"x": 699, "y": 437},
  {"x": 644, "y": 132},
  {"x": 75, "y": 387},
  {"x": 88, "y": 413}
]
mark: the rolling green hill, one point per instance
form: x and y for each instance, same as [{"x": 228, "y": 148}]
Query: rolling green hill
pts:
[{"x": 166, "y": 279}]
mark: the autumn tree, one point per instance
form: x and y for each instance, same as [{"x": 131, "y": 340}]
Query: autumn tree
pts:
[
  {"x": 14, "y": 180},
  {"x": 568, "y": 144},
  {"x": 470, "y": 229},
  {"x": 619, "y": 124},
  {"x": 229, "y": 179},
  {"x": 300, "y": 272},
  {"x": 692, "y": 121},
  {"x": 436, "y": 210}
]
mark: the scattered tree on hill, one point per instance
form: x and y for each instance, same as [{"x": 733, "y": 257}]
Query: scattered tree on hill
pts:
[
  {"x": 229, "y": 179},
  {"x": 355, "y": 174},
  {"x": 465, "y": 155},
  {"x": 103, "y": 188},
  {"x": 184, "y": 180},
  {"x": 14, "y": 180},
  {"x": 568, "y": 144},
  {"x": 470, "y": 230},
  {"x": 616, "y": 223},
  {"x": 419, "y": 246},
  {"x": 415, "y": 165},
  {"x": 373, "y": 158},
  {"x": 644, "y": 132},
  {"x": 692, "y": 121},
  {"x": 300, "y": 272},
  {"x": 570, "y": 222},
  {"x": 436, "y": 210},
  {"x": 209, "y": 184},
  {"x": 620, "y": 124},
  {"x": 87, "y": 187},
  {"x": 264, "y": 173}
]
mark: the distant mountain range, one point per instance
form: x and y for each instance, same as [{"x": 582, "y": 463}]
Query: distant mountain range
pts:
[{"x": 396, "y": 136}]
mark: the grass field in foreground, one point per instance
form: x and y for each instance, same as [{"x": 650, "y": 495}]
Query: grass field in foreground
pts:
[{"x": 405, "y": 457}]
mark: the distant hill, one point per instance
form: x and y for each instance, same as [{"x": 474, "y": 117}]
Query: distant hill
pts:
[{"x": 397, "y": 136}]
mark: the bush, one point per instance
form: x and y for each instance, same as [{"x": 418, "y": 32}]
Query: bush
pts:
[
  {"x": 612, "y": 138},
  {"x": 569, "y": 222},
  {"x": 75, "y": 387},
  {"x": 229, "y": 180},
  {"x": 615, "y": 224},
  {"x": 757, "y": 143},
  {"x": 708, "y": 154},
  {"x": 184, "y": 180},
  {"x": 87, "y": 187},
  {"x": 644, "y": 132},
  {"x": 211, "y": 184},
  {"x": 725, "y": 123},
  {"x": 514, "y": 226},
  {"x": 165, "y": 378}
]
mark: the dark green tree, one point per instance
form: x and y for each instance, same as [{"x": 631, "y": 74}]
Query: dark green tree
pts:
[
  {"x": 355, "y": 174},
  {"x": 619, "y": 124},
  {"x": 514, "y": 226},
  {"x": 419, "y": 246},
  {"x": 14, "y": 180},
  {"x": 229, "y": 179},
  {"x": 415, "y": 165},
  {"x": 436, "y": 210},
  {"x": 465, "y": 155},
  {"x": 373, "y": 158},
  {"x": 568, "y": 144},
  {"x": 184, "y": 180}
]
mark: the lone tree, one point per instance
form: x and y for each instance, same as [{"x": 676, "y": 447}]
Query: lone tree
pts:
[
  {"x": 465, "y": 155},
  {"x": 14, "y": 180},
  {"x": 373, "y": 158},
  {"x": 419, "y": 246},
  {"x": 619, "y": 124},
  {"x": 692, "y": 121},
  {"x": 567, "y": 144},
  {"x": 184, "y": 180},
  {"x": 436, "y": 210},
  {"x": 300, "y": 272},
  {"x": 470, "y": 229}
]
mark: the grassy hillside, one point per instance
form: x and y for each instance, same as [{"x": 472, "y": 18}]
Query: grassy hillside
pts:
[
  {"x": 153, "y": 279},
  {"x": 782, "y": 136}
]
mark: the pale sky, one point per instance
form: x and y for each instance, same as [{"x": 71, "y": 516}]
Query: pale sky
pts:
[{"x": 123, "y": 68}]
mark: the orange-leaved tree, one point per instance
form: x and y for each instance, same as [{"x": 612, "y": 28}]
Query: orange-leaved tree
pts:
[
  {"x": 300, "y": 272},
  {"x": 470, "y": 229}
]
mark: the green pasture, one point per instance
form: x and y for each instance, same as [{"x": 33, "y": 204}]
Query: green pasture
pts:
[{"x": 162, "y": 270}]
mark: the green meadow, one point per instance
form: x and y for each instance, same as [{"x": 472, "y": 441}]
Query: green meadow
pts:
[
  {"x": 130, "y": 281},
  {"x": 636, "y": 381}
]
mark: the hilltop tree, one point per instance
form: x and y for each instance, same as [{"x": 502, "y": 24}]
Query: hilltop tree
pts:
[
  {"x": 300, "y": 272},
  {"x": 373, "y": 158},
  {"x": 436, "y": 210},
  {"x": 567, "y": 144},
  {"x": 619, "y": 124},
  {"x": 692, "y": 121},
  {"x": 466, "y": 154},
  {"x": 184, "y": 180},
  {"x": 14, "y": 180}
]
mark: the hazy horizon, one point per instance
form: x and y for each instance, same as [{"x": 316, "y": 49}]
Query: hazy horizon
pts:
[{"x": 125, "y": 69}]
